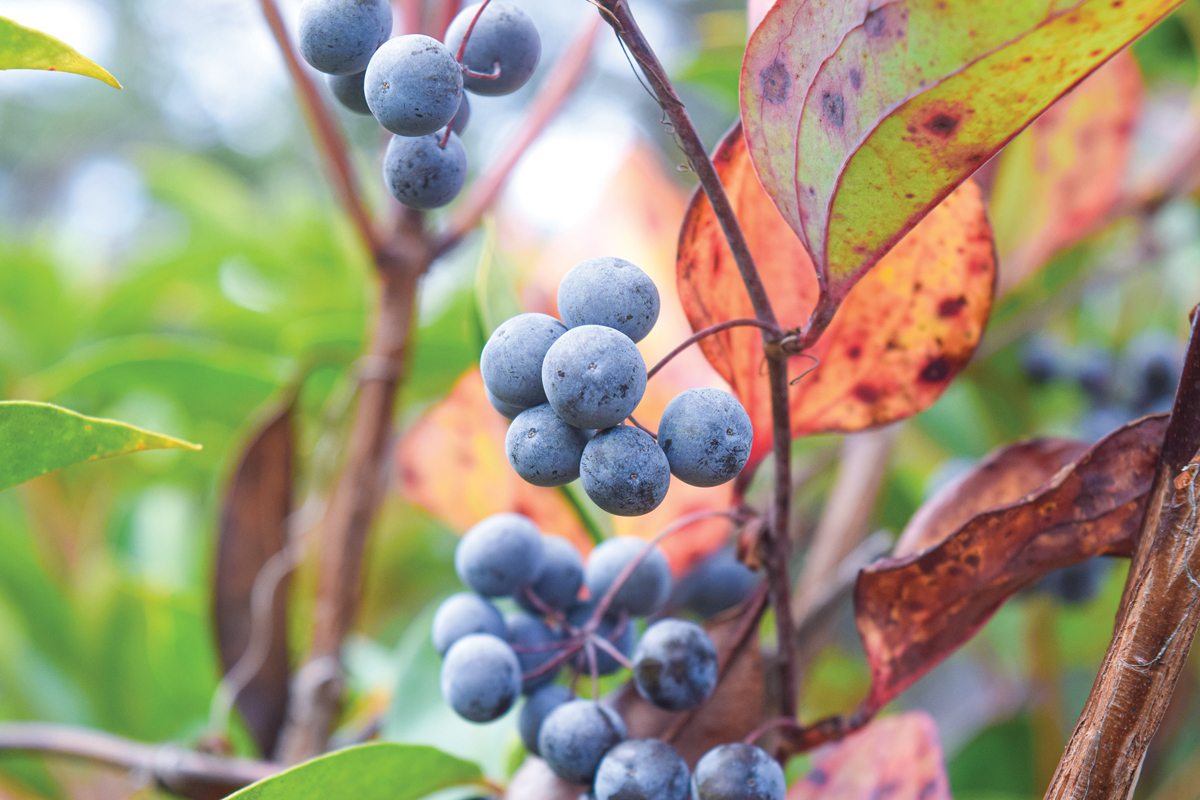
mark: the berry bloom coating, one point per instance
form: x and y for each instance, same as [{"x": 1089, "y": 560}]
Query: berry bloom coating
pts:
[
  {"x": 461, "y": 117},
  {"x": 648, "y": 586},
  {"x": 576, "y": 735},
  {"x": 610, "y": 292},
  {"x": 593, "y": 376},
  {"x": 413, "y": 85},
  {"x": 420, "y": 173},
  {"x": 562, "y": 575},
  {"x": 462, "y": 614},
  {"x": 534, "y": 711},
  {"x": 499, "y": 555},
  {"x": 738, "y": 772},
  {"x": 675, "y": 665},
  {"x": 348, "y": 89},
  {"x": 642, "y": 769},
  {"x": 543, "y": 449},
  {"x": 506, "y": 409},
  {"x": 511, "y": 361},
  {"x": 504, "y": 35},
  {"x": 339, "y": 37},
  {"x": 530, "y": 639},
  {"x": 718, "y": 583},
  {"x": 480, "y": 677},
  {"x": 624, "y": 471},
  {"x": 706, "y": 435},
  {"x": 619, "y": 633}
]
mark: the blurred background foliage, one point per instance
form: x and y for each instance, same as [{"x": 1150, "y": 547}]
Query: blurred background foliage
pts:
[{"x": 170, "y": 256}]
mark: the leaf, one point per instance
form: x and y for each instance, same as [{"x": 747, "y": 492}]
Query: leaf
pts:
[
  {"x": 1003, "y": 477},
  {"x": 914, "y": 611},
  {"x": 25, "y": 48},
  {"x": 896, "y": 757},
  {"x": 1065, "y": 173},
  {"x": 893, "y": 104},
  {"x": 379, "y": 771},
  {"x": 39, "y": 437},
  {"x": 253, "y": 532},
  {"x": 895, "y": 344}
]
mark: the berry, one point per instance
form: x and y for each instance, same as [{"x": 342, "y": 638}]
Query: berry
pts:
[
  {"x": 348, "y": 89},
  {"x": 562, "y": 575},
  {"x": 1150, "y": 366},
  {"x": 511, "y": 361},
  {"x": 1043, "y": 360},
  {"x": 648, "y": 586},
  {"x": 480, "y": 677},
  {"x": 738, "y": 772},
  {"x": 505, "y": 409},
  {"x": 420, "y": 173},
  {"x": 339, "y": 37},
  {"x": 504, "y": 36},
  {"x": 462, "y": 614},
  {"x": 1078, "y": 583},
  {"x": 499, "y": 555},
  {"x": 624, "y": 471},
  {"x": 717, "y": 583},
  {"x": 531, "y": 640},
  {"x": 576, "y": 735},
  {"x": 706, "y": 435},
  {"x": 675, "y": 665},
  {"x": 1094, "y": 373},
  {"x": 1100, "y": 422},
  {"x": 543, "y": 449},
  {"x": 610, "y": 292},
  {"x": 534, "y": 711},
  {"x": 613, "y": 628},
  {"x": 413, "y": 85},
  {"x": 461, "y": 117},
  {"x": 642, "y": 769},
  {"x": 594, "y": 376}
]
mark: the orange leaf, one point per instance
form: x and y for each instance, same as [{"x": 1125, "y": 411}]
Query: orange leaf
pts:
[
  {"x": 899, "y": 758},
  {"x": 896, "y": 342}
]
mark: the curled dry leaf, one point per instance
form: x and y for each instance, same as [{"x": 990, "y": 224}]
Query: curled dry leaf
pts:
[
  {"x": 893, "y": 757},
  {"x": 895, "y": 343},
  {"x": 914, "y": 611}
]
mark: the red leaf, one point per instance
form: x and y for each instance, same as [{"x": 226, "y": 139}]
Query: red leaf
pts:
[
  {"x": 898, "y": 339},
  {"x": 914, "y": 611},
  {"x": 893, "y": 758}
]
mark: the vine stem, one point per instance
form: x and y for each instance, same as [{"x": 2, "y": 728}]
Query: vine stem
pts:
[{"x": 704, "y": 333}]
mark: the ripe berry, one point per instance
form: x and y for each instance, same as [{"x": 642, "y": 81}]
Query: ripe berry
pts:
[
  {"x": 624, "y": 471},
  {"x": 543, "y": 449},
  {"x": 594, "y": 376},
  {"x": 511, "y": 361},
  {"x": 648, "y": 586},
  {"x": 610, "y": 292},
  {"x": 1043, "y": 360},
  {"x": 716, "y": 584},
  {"x": 620, "y": 633},
  {"x": 348, "y": 89},
  {"x": 462, "y": 614},
  {"x": 675, "y": 665},
  {"x": 531, "y": 640},
  {"x": 339, "y": 37},
  {"x": 481, "y": 677},
  {"x": 738, "y": 772},
  {"x": 576, "y": 735},
  {"x": 1094, "y": 372},
  {"x": 534, "y": 712},
  {"x": 506, "y": 409},
  {"x": 1078, "y": 583},
  {"x": 420, "y": 173},
  {"x": 706, "y": 436},
  {"x": 642, "y": 769},
  {"x": 413, "y": 85},
  {"x": 461, "y": 117},
  {"x": 1150, "y": 367},
  {"x": 499, "y": 555},
  {"x": 504, "y": 36},
  {"x": 562, "y": 575}
]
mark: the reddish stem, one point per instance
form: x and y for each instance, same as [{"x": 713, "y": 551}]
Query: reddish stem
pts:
[
  {"x": 704, "y": 333},
  {"x": 462, "y": 46},
  {"x": 641, "y": 427},
  {"x": 767, "y": 727},
  {"x": 611, "y": 649}
]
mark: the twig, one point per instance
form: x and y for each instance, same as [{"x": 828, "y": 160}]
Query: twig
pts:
[{"x": 704, "y": 333}]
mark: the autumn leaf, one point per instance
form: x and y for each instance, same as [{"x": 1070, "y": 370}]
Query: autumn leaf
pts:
[
  {"x": 863, "y": 115},
  {"x": 26, "y": 48},
  {"x": 894, "y": 345}
]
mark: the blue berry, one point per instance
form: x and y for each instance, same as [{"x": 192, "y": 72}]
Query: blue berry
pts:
[
  {"x": 1078, "y": 583},
  {"x": 413, "y": 85},
  {"x": 675, "y": 665},
  {"x": 624, "y": 471},
  {"x": 610, "y": 292},
  {"x": 506, "y": 409},
  {"x": 1043, "y": 360},
  {"x": 534, "y": 712},
  {"x": 1150, "y": 367},
  {"x": 461, "y": 117},
  {"x": 706, "y": 436},
  {"x": 716, "y": 584},
  {"x": 617, "y": 630},
  {"x": 339, "y": 37},
  {"x": 348, "y": 89},
  {"x": 648, "y": 586},
  {"x": 1094, "y": 373},
  {"x": 576, "y": 735},
  {"x": 462, "y": 614},
  {"x": 543, "y": 449},
  {"x": 499, "y": 555},
  {"x": 594, "y": 376},
  {"x": 420, "y": 173},
  {"x": 504, "y": 35},
  {"x": 530, "y": 639},
  {"x": 738, "y": 772},
  {"x": 642, "y": 769},
  {"x": 511, "y": 361},
  {"x": 481, "y": 677},
  {"x": 562, "y": 575}
]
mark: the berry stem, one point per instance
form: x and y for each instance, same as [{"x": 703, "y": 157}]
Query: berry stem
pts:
[
  {"x": 611, "y": 649},
  {"x": 541, "y": 606},
  {"x": 704, "y": 333},
  {"x": 573, "y": 647},
  {"x": 641, "y": 427},
  {"x": 593, "y": 668},
  {"x": 462, "y": 46},
  {"x": 494, "y": 75},
  {"x": 767, "y": 727}
]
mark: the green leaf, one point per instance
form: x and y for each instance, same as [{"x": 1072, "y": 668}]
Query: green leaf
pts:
[
  {"x": 39, "y": 437},
  {"x": 379, "y": 771},
  {"x": 25, "y": 48}
]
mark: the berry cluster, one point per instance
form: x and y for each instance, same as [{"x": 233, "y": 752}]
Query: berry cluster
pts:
[
  {"x": 413, "y": 84},
  {"x": 490, "y": 659},
  {"x": 568, "y": 386}
]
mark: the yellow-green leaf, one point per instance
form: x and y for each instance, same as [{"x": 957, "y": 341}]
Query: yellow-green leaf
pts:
[
  {"x": 38, "y": 437},
  {"x": 26, "y": 48}
]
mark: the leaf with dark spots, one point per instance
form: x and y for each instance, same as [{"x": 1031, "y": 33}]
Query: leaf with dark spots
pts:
[
  {"x": 257, "y": 503},
  {"x": 775, "y": 83},
  {"x": 835, "y": 108},
  {"x": 893, "y": 758},
  {"x": 875, "y": 358},
  {"x": 915, "y": 610}
]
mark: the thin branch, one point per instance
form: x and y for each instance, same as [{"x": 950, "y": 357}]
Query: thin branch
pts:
[
  {"x": 778, "y": 555},
  {"x": 704, "y": 333}
]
